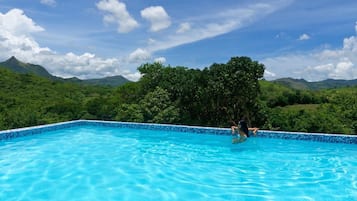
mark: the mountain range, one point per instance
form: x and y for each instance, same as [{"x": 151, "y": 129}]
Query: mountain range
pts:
[
  {"x": 17, "y": 66},
  {"x": 13, "y": 64},
  {"x": 302, "y": 84}
]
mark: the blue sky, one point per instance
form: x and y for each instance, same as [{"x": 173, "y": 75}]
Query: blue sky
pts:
[{"x": 313, "y": 40}]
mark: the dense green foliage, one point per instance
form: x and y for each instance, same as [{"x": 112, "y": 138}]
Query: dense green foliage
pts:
[
  {"x": 209, "y": 97},
  {"x": 27, "y": 100},
  {"x": 302, "y": 84},
  {"x": 327, "y": 111}
]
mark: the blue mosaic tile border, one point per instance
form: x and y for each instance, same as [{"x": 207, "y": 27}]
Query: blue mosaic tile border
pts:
[
  {"x": 319, "y": 137},
  {"x": 332, "y": 138},
  {"x": 20, "y": 132},
  {"x": 165, "y": 127}
]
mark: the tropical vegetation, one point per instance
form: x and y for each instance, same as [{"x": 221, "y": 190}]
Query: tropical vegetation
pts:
[{"x": 179, "y": 95}]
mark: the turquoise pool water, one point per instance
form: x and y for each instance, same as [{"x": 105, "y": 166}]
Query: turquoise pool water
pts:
[{"x": 105, "y": 163}]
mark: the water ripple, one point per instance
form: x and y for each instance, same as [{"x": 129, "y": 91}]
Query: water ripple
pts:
[{"x": 121, "y": 164}]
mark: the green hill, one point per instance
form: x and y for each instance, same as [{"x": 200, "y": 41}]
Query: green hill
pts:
[
  {"x": 107, "y": 81},
  {"x": 24, "y": 68},
  {"x": 302, "y": 84},
  {"x": 17, "y": 66},
  {"x": 28, "y": 100}
]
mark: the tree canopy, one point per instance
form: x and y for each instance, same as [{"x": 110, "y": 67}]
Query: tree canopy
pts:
[{"x": 179, "y": 95}]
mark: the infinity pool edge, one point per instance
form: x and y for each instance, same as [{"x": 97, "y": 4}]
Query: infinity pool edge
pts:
[{"x": 321, "y": 137}]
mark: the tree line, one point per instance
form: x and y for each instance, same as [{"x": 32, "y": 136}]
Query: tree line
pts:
[{"x": 212, "y": 96}]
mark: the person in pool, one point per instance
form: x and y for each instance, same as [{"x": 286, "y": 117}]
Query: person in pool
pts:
[{"x": 242, "y": 129}]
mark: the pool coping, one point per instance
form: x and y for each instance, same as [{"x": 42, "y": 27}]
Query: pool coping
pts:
[{"x": 320, "y": 137}]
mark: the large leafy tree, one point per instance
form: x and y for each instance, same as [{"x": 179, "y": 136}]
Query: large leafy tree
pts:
[
  {"x": 181, "y": 84},
  {"x": 211, "y": 96},
  {"x": 165, "y": 94},
  {"x": 158, "y": 108},
  {"x": 233, "y": 89},
  {"x": 129, "y": 112}
]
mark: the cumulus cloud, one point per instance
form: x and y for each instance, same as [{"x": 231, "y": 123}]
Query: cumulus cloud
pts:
[
  {"x": 16, "y": 23},
  {"x": 157, "y": 16},
  {"x": 86, "y": 66},
  {"x": 319, "y": 65},
  {"x": 15, "y": 33},
  {"x": 16, "y": 40},
  {"x": 132, "y": 76},
  {"x": 161, "y": 60},
  {"x": 83, "y": 66},
  {"x": 304, "y": 37},
  {"x": 116, "y": 12},
  {"x": 343, "y": 69},
  {"x": 269, "y": 74},
  {"x": 49, "y": 2},
  {"x": 139, "y": 56}
]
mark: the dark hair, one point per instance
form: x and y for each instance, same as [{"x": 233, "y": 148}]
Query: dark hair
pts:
[
  {"x": 233, "y": 123},
  {"x": 244, "y": 127},
  {"x": 244, "y": 118}
]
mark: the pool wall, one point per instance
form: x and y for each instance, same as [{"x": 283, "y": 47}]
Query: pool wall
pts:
[{"x": 321, "y": 137}]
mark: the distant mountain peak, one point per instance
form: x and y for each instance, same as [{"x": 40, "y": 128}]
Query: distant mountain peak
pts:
[
  {"x": 12, "y": 60},
  {"x": 17, "y": 66},
  {"x": 324, "y": 84},
  {"x": 14, "y": 65}
]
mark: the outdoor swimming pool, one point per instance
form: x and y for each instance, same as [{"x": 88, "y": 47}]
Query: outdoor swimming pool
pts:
[{"x": 93, "y": 162}]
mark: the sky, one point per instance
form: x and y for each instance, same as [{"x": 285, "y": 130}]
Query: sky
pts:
[{"x": 302, "y": 39}]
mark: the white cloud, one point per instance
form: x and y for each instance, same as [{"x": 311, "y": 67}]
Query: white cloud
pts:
[
  {"x": 184, "y": 27},
  {"x": 49, "y": 2},
  {"x": 161, "y": 60},
  {"x": 16, "y": 40},
  {"x": 203, "y": 27},
  {"x": 319, "y": 65},
  {"x": 17, "y": 23},
  {"x": 157, "y": 16},
  {"x": 151, "y": 41},
  {"x": 304, "y": 37},
  {"x": 86, "y": 65},
  {"x": 350, "y": 44},
  {"x": 15, "y": 33},
  {"x": 116, "y": 12},
  {"x": 344, "y": 69},
  {"x": 268, "y": 74},
  {"x": 132, "y": 76},
  {"x": 139, "y": 56}
]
